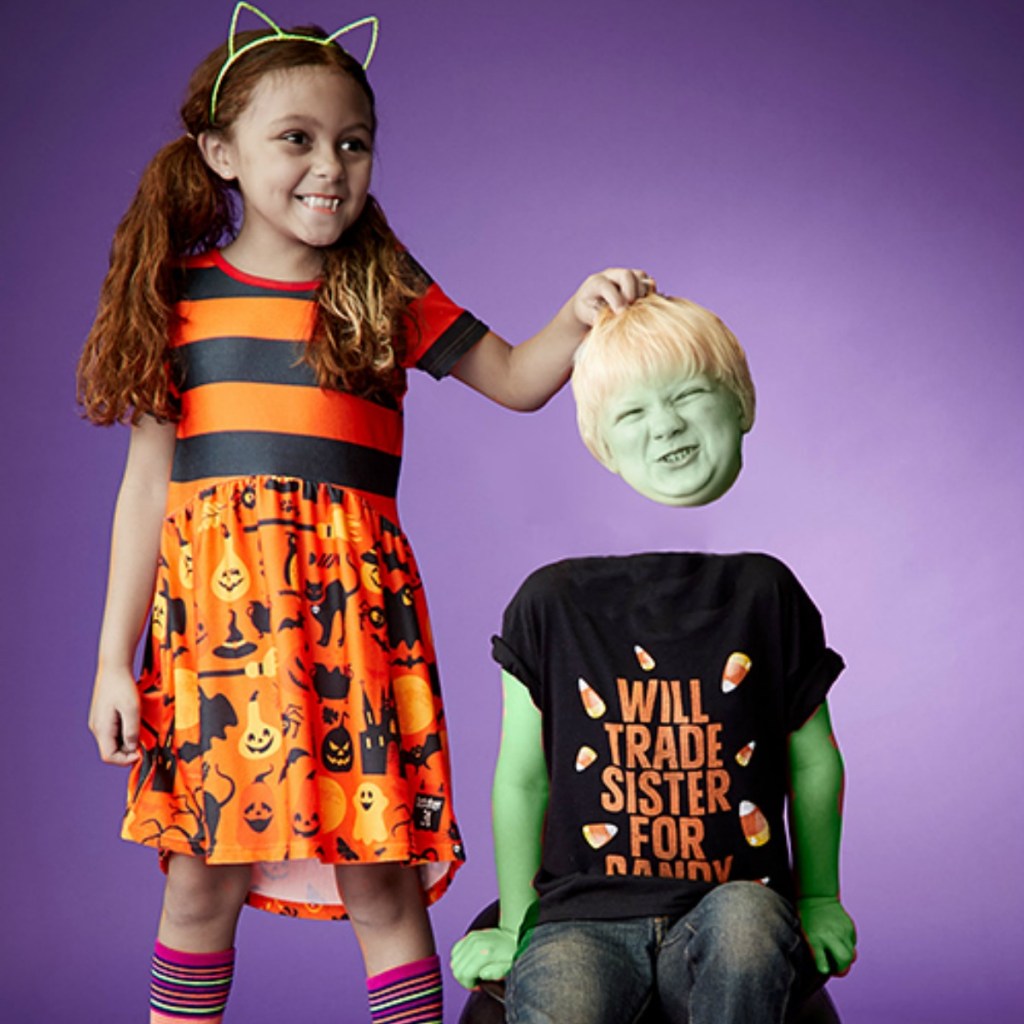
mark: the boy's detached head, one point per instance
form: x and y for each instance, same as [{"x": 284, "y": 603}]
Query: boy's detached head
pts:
[{"x": 663, "y": 398}]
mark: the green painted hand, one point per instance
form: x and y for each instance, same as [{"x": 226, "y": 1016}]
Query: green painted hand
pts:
[
  {"x": 484, "y": 955},
  {"x": 830, "y": 932}
]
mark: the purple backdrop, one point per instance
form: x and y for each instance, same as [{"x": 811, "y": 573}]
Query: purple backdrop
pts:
[{"x": 840, "y": 180}]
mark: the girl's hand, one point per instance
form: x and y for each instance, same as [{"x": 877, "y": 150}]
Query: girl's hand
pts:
[
  {"x": 612, "y": 289},
  {"x": 114, "y": 716},
  {"x": 525, "y": 376}
]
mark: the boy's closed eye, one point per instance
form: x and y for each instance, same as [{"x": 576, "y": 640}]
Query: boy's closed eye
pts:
[
  {"x": 691, "y": 393},
  {"x": 627, "y": 414}
]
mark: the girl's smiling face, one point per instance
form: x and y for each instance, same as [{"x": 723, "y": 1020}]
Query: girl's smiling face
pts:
[
  {"x": 301, "y": 153},
  {"x": 674, "y": 439}
]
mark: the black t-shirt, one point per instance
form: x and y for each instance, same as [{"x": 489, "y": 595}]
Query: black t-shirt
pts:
[{"x": 668, "y": 684}]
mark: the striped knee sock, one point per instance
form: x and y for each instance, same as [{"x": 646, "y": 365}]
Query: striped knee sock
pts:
[
  {"x": 410, "y": 994},
  {"x": 189, "y": 987}
]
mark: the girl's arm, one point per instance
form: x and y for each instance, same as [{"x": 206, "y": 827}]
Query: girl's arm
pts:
[
  {"x": 518, "y": 805},
  {"x": 816, "y": 794},
  {"x": 134, "y": 547},
  {"x": 523, "y": 377}
]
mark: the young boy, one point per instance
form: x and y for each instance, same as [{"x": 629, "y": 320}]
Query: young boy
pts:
[{"x": 658, "y": 710}]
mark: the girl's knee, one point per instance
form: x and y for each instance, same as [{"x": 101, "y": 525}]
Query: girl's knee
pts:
[
  {"x": 380, "y": 894},
  {"x": 196, "y": 891}
]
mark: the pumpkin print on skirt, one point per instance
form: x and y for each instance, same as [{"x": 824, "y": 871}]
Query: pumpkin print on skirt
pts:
[{"x": 291, "y": 710}]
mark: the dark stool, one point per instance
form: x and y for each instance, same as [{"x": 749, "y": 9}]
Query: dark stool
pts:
[{"x": 486, "y": 1005}]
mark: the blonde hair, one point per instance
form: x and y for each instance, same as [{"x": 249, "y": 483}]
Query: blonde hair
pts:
[{"x": 654, "y": 336}]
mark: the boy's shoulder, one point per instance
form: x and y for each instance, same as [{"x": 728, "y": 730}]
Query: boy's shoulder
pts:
[{"x": 571, "y": 577}]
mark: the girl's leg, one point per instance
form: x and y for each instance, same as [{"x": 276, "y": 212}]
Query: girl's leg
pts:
[
  {"x": 403, "y": 975},
  {"x": 202, "y": 903},
  {"x": 193, "y": 962}
]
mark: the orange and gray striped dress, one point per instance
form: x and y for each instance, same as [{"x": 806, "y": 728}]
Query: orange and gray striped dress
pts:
[{"x": 292, "y": 715}]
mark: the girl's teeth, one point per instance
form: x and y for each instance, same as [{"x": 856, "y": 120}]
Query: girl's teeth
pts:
[{"x": 321, "y": 202}]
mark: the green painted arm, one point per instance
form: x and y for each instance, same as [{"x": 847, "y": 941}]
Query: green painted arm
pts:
[
  {"x": 816, "y": 794},
  {"x": 519, "y": 803}
]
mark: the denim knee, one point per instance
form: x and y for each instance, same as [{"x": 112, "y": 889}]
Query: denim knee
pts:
[
  {"x": 744, "y": 925},
  {"x": 581, "y": 972},
  {"x": 731, "y": 958}
]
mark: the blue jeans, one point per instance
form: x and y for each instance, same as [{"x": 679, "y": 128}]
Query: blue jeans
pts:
[{"x": 738, "y": 956}]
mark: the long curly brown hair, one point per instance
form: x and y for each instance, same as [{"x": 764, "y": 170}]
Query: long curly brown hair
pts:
[{"x": 181, "y": 208}]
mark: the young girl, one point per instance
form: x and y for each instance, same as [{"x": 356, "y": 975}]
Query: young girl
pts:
[{"x": 286, "y": 735}]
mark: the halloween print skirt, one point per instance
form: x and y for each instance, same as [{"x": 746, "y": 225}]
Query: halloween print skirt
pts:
[{"x": 291, "y": 711}]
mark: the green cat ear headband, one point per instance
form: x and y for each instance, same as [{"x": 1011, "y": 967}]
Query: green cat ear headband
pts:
[{"x": 279, "y": 35}]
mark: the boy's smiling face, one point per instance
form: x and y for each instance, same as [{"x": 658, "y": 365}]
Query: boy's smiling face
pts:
[{"x": 675, "y": 439}]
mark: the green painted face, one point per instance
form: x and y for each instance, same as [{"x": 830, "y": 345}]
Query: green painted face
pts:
[{"x": 674, "y": 439}]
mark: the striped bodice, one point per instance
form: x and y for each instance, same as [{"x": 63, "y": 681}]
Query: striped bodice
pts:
[{"x": 250, "y": 406}]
